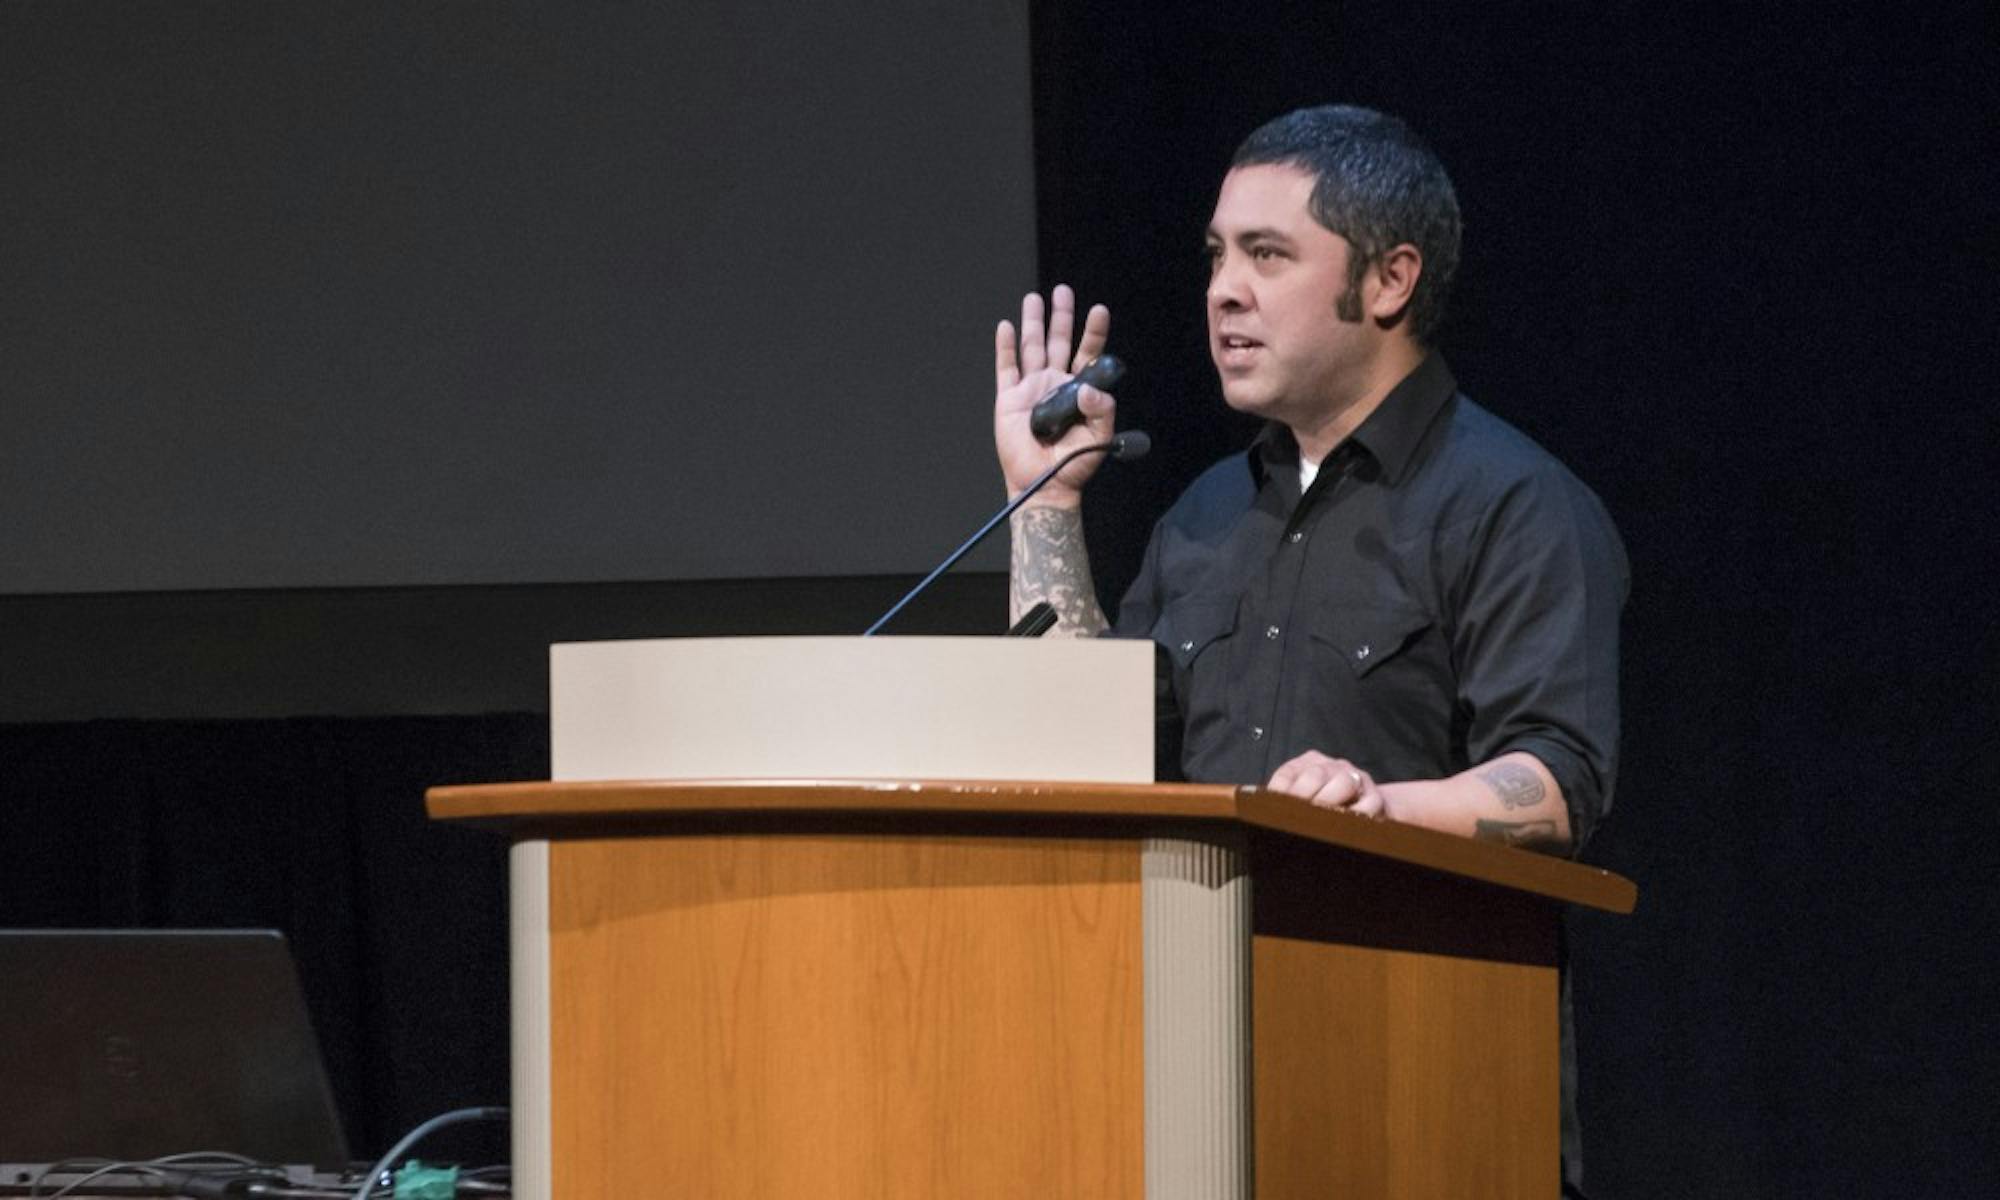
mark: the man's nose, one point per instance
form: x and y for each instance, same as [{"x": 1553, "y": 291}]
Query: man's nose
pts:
[{"x": 1225, "y": 286}]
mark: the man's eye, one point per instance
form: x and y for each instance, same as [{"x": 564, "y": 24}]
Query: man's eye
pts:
[{"x": 1264, "y": 253}]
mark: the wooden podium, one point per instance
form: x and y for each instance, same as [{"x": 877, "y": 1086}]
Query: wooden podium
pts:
[
  {"x": 862, "y": 981},
  {"x": 898, "y": 989}
]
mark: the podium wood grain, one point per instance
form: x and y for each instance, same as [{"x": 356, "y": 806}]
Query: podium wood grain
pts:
[
  {"x": 1406, "y": 1032},
  {"x": 893, "y": 989},
  {"x": 846, "y": 1016},
  {"x": 1378, "y": 1074}
]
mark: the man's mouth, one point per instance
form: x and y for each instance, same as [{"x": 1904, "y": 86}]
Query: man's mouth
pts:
[{"x": 1232, "y": 349}]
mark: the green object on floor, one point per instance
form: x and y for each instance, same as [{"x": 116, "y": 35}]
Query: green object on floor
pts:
[{"x": 419, "y": 1182}]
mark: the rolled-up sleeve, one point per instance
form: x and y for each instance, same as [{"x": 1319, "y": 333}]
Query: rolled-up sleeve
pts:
[{"x": 1540, "y": 587}]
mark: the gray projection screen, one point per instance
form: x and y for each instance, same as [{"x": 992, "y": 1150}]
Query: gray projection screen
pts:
[{"x": 379, "y": 294}]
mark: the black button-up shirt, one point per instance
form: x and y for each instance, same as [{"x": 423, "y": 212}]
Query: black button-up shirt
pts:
[{"x": 1444, "y": 593}]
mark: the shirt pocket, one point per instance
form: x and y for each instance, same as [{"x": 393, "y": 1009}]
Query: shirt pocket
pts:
[
  {"x": 1195, "y": 634},
  {"x": 1391, "y": 699},
  {"x": 1189, "y": 626},
  {"x": 1367, "y": 636}
]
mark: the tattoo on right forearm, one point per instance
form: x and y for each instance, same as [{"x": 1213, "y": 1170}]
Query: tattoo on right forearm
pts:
[
  {"x": 1516, "y": 785},
  {"x": 1050, "y": 563},
  {"x": 1515, "y": 833}
]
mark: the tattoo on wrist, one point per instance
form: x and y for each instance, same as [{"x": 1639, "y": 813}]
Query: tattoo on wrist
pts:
[
  {"x": 1515, "y": 833},
  {"x": 1050, "y": 563},
  {"x": 1516, "y": 785}
]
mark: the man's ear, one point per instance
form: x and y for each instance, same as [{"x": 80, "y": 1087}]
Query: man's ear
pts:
[{"x": 1393, "y": 282}]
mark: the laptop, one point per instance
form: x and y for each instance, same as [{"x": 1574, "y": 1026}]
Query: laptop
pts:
[{"x": 131, "y": 1045}]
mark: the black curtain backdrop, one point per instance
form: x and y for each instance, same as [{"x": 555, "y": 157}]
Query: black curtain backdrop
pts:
[{"x": 1733, "y": 266}]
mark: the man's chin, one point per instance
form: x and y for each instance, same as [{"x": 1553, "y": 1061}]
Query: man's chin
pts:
[{"x": 1245, "y": 397}]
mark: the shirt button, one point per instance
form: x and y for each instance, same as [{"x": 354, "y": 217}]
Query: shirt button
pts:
[
  {"x": 1295, "y": 537},
  {"x": 1272, "y": 633},
  {"x": 1362, "y": 653},
  {"x": 1186, "y": 646},
  {"x": 1256, "y": 733}
]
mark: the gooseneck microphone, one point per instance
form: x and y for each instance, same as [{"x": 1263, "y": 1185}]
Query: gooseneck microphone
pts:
[
  {"x": 1054, "y": 413},
  {"x": 1036, "y": 621},
  {"x": 1123, "y": 447}
]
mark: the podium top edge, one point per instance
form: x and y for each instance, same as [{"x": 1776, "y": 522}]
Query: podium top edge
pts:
[
  {"x": 572, "y": 803},
  {"x": 894, "y": 639}
]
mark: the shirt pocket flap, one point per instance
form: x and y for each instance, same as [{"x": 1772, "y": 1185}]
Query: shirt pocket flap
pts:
[
  {"x": 1367, "y": 637},
  {"x": 1189, "y": 626}
]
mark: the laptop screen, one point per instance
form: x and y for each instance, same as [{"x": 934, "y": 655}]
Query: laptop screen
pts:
[{"x": 134, "y": 1044}]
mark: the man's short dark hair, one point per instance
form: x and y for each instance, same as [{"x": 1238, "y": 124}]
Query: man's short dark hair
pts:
[{"x": 1376, "y": 184}]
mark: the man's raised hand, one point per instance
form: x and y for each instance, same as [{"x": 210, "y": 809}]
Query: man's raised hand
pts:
[{"x": 1028, "y": 364}]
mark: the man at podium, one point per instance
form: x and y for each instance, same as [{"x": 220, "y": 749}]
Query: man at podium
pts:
[{"x": 1392, "y": 602}]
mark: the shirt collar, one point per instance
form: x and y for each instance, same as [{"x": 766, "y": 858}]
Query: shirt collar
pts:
[{"x": 1391, "y": 435}]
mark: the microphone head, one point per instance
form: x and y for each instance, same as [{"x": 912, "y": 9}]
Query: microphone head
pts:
[{"x": 1131, "y": 444}]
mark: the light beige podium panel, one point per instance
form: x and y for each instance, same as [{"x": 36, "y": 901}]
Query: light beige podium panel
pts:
[
  {"x": 856, "y": 708},
  {"x": 975, "y": 988}
]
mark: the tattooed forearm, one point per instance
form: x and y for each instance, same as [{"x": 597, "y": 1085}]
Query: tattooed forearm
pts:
[
  {"x": 1516, "y": 785},
  {"x": 1516, "y": 833},
  {"x": 1050, "y": 564}
]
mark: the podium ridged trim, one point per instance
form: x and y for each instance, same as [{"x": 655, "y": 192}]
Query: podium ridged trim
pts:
[
  {"x": 1197, "y": 1020},
  {"x": 528, "y": 986}
]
